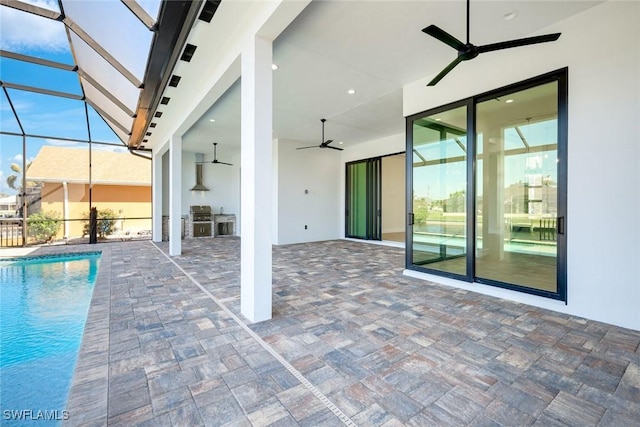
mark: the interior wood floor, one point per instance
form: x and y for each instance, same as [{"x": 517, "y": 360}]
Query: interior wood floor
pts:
[
  {"x": 394, "y": 237},
  {"x": 533, "y": 271}
]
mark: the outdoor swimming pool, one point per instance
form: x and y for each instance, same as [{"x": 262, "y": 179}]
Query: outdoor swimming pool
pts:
[{"x": 44, "y": 303}]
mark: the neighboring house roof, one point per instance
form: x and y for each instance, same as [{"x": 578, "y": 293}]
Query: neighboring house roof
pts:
[{"x": 64, "y": 164}]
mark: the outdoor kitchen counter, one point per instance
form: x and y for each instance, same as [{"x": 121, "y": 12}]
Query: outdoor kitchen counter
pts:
[{"x": 224, "y": 225}]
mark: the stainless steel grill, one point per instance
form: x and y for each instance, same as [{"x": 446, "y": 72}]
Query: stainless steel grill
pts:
[{"x": 201, "y": 213}]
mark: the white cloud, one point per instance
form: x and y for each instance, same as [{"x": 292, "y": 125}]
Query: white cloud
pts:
[
  {"x": 21, "y": 31},
  {"x": 17, "y": 158}
]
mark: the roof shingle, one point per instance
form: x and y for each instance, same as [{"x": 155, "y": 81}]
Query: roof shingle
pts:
[{"x": 64, "y": 164}]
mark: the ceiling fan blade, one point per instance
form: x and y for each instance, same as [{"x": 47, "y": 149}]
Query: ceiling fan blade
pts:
[
  {"x": 304, "y": 148},
  {"x": 444, "y": 72},
  {"x": 334, "y": 148},
  {"x": 443, "y": 36},
  {"x": 327, "y": 142},
  {"x": 518, "y": 42},
  {"x": 223, "y": 163}
]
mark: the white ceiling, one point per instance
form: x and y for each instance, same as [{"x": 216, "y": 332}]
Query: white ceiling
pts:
[{"x": 374, "y": 47}]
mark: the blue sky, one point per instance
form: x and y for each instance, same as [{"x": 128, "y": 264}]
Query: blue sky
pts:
[{"x": 41, "y": 114}]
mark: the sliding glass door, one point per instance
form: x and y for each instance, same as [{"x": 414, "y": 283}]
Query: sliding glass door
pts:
[
  {"x": 491, "y": 208},
  {"x": 363, "y": 200},
  {"x": 438, "y": 201},
  {"x": 517, "y": 219}
]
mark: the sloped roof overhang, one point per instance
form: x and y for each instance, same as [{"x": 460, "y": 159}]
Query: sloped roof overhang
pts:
[{"x": 169, "y": 34}]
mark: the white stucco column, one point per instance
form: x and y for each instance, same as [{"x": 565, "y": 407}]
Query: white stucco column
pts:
[
  {"x": 156, "y": 196},
  {"x": 175, "y": 195},
  {"x": 256, "y": 183}
]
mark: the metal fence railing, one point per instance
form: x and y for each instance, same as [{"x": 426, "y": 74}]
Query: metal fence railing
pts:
[
  {"x": 10, "y": 232},
  {"x": 56, "y": 231}
]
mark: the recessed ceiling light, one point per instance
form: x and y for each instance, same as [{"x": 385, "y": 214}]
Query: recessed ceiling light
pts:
[
  {"x": 509, "y": 16},
  {"x": 351, "y": 91},
  {"x": 438, "y": 119},
  {"x": 212, "y": 120},
  {"x": 509, "y": 101},
  {"x": 340, "y": 143},
  {"x": 274, "y": 67}
]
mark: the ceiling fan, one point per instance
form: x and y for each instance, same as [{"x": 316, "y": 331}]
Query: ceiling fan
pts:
[
  {"x": 468, "y": 51},
  {"x": 215, "y": 158},
  {"x": 324, "y": 144}
]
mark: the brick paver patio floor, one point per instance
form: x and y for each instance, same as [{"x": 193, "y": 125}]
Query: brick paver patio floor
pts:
[{"x": 352, "y": 341}]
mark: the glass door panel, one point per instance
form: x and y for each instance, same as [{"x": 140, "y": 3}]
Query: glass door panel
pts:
[
  {"x": 439, "y": 178},
  {"x": 363, "y": 199},
  {"x": 517, "y": 188},
  {"x": 357, "y": 200}
]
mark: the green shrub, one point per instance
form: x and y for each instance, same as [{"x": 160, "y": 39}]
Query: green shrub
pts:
[
  {"x": 43, "y": 226},
  {"x": 106, "y": 223}
]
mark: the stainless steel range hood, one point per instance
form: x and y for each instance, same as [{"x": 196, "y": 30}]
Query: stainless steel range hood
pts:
[{"x": 199, "y": 186}]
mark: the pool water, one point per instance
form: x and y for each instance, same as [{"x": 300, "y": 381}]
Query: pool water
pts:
[{"x": 44, "y": 303}]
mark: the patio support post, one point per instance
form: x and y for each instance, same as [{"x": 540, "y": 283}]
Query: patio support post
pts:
[
  {"x": 156, "y": 196},
  {"x": 65, "y": 209},
  {"x": 175, "y": 195},
  {"x": 256, "y": 183},
  {"x": 24, "y": 191}
]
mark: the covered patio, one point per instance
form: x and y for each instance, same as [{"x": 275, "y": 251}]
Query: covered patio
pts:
[
  {"x": 332, "y": 331},
  {"x": 351, "y": 341}
]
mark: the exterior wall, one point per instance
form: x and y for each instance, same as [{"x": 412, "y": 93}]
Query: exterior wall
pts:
[
  {"x": 223, "y": 182},
  {"x": 308, "y": 190},
  {"x": 603, "y": 175},
  {"x": 133, "y": 201}
]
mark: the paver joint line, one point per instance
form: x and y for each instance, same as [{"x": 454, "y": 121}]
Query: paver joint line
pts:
[{"x": 317, "y": 393}]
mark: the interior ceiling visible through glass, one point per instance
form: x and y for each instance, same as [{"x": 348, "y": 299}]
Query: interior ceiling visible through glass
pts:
[{"x": 57, "y": 56}]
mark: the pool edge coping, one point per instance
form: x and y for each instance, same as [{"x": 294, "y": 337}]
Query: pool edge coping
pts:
[{"x": 87, "y": 402}]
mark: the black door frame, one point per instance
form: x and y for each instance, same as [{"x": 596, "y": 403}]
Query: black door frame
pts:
[
  {"x": 373, "y": 199},
  {"x": 374, "y": 193},
  {"x": 561, "y": 77}
]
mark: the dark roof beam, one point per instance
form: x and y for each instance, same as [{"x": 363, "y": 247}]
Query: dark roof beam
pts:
[
  {"x": 460, "y": 144},
  {"x": 455, "y": 159},
  {"x": 141, "y": 14},
  {"x": 175, "y": 21},
  {"x": 30, "y": 8},
  {"x": 522, "y": 137},
  {"x": 15, "y": 114},
  {"x": 38, "y": 61},
  {"x": 42, "y": 91},
  {"x": 102, "y": 52},
  {"x": 105, "y": 92},
  {"x": 424, "y": 161},
  {"x": 108, "y": 117},
  {"x": 60, "y": 138}
]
